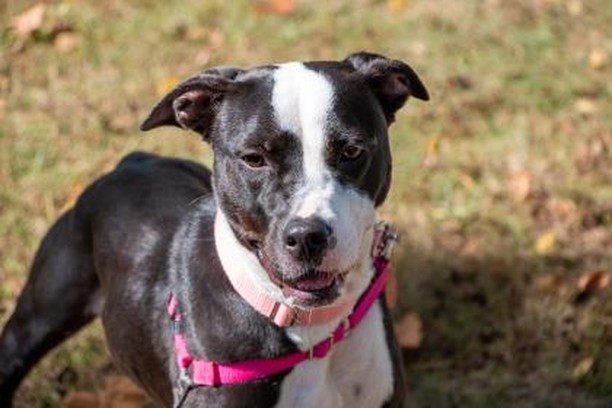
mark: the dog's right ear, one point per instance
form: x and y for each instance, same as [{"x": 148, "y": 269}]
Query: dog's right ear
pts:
[
  {"x": 194, "y": 103},
  {"x": 392, "y": 81}
]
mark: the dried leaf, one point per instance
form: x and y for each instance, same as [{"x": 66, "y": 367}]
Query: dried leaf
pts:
[
  {"x": 391, "y": 291},
  {"x": 431, "y": 151},
  {"x": 585, "y": 106},
  {"x": 81, "y": 399},
  {"x": 409, "y": 331},
  {"x": 29, "y": 21},
  {"x": 280, "y": 7},
  {"x": 66, "y": 41},
  {"x": 167, "y": 84},
  {"x": 397, "y": 6},
  {"x": 121, "y": 122},
  {"x": 120, "y": 392},
  {"x": 466, "y": 181},
  {"x": 519, "y": 185},
  {"x": 545, "y": 243},
  {"x": 74, "y": 193},
  {"x": 593, "y": 280},
  {"x": 598, "y": 59},
  {"x": 574, "y": 7},
  {"x": 583, "y": 367}
]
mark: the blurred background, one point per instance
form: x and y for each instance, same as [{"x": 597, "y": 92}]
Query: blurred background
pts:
[{"x": 502, "y": 182}]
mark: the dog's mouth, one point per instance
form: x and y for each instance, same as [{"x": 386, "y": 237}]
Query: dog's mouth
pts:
[{"x": 312, "y": 287}]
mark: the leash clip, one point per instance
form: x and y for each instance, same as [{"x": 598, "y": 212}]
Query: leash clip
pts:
[{"x": 385, "y": 238}]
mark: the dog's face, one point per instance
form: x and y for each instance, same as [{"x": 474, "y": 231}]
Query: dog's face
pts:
[{"x": 301, "y": 161}]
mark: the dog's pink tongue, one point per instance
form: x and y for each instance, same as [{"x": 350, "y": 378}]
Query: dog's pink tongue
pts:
[{"x": 318, "y": 283}]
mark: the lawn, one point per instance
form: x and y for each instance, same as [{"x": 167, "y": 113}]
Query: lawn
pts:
[{"x": 502, "y": 182}]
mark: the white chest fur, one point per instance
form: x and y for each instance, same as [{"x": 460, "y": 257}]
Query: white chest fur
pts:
[{"x": 357, "y": 374}]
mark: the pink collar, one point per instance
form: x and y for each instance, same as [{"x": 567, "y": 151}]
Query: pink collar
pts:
[{"x": 210, "y": 373}]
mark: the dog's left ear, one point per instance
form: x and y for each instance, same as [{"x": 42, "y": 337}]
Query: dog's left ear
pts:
[
  {"x": 391, "y": 80},
  {"x": 193, "y": 104}
]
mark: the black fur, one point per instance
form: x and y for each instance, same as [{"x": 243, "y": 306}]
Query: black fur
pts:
[{"x": 146, "y": 229}]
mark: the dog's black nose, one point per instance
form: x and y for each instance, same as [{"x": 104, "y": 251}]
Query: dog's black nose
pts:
[{"x": 307, "y": 239}]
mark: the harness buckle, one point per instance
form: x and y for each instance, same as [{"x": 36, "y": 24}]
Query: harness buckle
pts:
[{"x": 385, "y": 238}]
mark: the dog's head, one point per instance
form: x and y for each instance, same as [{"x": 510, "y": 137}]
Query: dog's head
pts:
[{"x": 301, "y": 161}]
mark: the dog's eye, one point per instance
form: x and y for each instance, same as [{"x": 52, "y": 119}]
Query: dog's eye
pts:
[
  {"x": 351, "y": 152},
  {"x": 254, "y": 160}
]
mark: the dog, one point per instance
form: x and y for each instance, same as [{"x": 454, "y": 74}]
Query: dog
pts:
[{"x": 253, "y": 285}]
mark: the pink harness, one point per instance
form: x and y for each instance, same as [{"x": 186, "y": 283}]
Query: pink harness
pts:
[{"x": 212, "y": 373}]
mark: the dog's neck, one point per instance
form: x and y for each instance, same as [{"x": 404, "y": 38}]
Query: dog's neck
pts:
[{"x": 240, "y": 263}]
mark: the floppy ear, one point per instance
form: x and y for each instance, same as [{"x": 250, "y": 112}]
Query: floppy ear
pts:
[
  {"x": 193, "y": 104},
  {"x": 391, "y": 80}
]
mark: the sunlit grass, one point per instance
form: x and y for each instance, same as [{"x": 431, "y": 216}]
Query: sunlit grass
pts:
[{"x": 513, "y": 91}]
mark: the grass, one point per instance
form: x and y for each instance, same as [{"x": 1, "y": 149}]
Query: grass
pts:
[{"x": 514, "y": 149}]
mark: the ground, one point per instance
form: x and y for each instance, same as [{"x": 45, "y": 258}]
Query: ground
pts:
[{"x": 502, "y": 182}]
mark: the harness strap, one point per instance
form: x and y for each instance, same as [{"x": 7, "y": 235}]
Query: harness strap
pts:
[{"x": 211, "y": 373}]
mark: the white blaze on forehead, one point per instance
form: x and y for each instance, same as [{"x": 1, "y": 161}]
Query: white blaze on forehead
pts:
[
  {"x": 303, "y": 105},
  {"x": 302, "y": 101}
]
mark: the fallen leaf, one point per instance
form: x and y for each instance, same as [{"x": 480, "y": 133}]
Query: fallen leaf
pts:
[
  {"x": 432, "y": 147},
  {"x": 582, "y": 368},
  {"x": 519, "y": 185},
  {"x": 121, "y": 122},
  {"x": 598, "y": 59},
  {"x": 409, "y": 331},
  {"x": 545, "y": 243},
  {"x": 593, "y": 280},
  {"x": 74, "y": 193},
  {"x": 167, "y": 84},
  {"x": 280, "y": 7},
  {"x": 585, "y": 106},
  {"x": 397, "y": 6},
  {"x": 66, "y": 41},
  {"x": 81, "y": 399},
  {"x": 29, "y": 21},
  {"x": 391, "y": 291},
  {"x": 120, "y": 392},
  {"x": 466, "y": 181},
  {"x": 574, "y": 7}
]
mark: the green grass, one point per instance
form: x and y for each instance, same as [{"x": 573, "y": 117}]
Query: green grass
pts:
[{"x": 512, "y": 91}]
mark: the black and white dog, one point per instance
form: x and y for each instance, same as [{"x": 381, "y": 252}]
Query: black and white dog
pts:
[{"x": 301, "y": 161}]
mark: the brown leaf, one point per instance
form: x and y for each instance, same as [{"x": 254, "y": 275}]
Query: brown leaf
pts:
[
  {"x": 74, "y": 193},
  {"x": 397, "y": 6},
  {"x": 585, "y": 106},
  {"x": 280, "y": 7},
  {"x": 582, "y": 368},
  {"x": 409, "y": 331},
  {"x": 167, "y": 84},
  {"x": 574, "y": 7},
  {"x": 598, "y": 59},
  {"x": 593, "y": 280},
  {"x": 432, "y": 147},
  {"x": 81, "y": 399},
  {"x": 66, "y": 41},
  {"x": 519, "y": 185},
  {"x": 589, "y": 283},
  {"x": 29, "y": 21},
  {"x": 120, "y": 392},
  {"x": 391, "y": 291}
]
